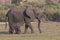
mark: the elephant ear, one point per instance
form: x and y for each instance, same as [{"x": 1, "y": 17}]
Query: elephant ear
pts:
[{"x": 30, "y": 13}]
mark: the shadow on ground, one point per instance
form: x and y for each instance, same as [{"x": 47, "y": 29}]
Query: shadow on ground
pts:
[{"x": 3, "y": 32}]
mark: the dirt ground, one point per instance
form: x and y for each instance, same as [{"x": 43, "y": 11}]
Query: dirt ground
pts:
[{"x": 50, "y": 31}]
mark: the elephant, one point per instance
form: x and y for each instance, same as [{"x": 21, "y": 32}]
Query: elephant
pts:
[{"x": 17, "y": 17}]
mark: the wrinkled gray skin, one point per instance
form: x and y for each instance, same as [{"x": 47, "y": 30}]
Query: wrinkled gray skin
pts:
[{"x": 17, "y": 17}]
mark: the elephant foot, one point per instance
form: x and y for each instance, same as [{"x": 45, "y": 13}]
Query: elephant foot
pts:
[
  {"x": 40, "y": 32},
  {"x": 10, "y": 32},
  {"x": 32, "y": 32},
  {"x": 17, "y": 33},
  {"x": 24, "y": 33}
]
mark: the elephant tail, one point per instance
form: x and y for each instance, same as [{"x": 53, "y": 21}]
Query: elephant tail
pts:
[
  {"x": 7, "y": 12},
  {"x": 5, "y": 22}
]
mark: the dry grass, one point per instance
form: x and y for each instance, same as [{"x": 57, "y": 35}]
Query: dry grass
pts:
[{"x": 50, "y": 31}]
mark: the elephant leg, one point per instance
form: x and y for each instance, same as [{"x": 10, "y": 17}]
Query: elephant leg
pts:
[
  {"x": 30, "y": 26},
  {"x": 11, "y": 30},
  {"x": 17, "y": 29},
  {"x": 26, "y": 27}
]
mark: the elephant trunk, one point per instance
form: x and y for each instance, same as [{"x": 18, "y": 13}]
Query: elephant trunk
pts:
[{"x": 39, "y": 24}]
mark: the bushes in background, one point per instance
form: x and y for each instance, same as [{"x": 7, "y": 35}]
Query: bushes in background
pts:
[{"x": 52, "y": 11}]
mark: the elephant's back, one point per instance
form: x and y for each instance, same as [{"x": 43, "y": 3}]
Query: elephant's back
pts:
[{"x": 18, "y": 15}]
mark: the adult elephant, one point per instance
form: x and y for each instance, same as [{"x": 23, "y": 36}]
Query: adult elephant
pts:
[{"x": 17, "y": 17}]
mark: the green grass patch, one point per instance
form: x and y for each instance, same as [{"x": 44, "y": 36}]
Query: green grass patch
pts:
[{"x": 29, "y": 37}]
